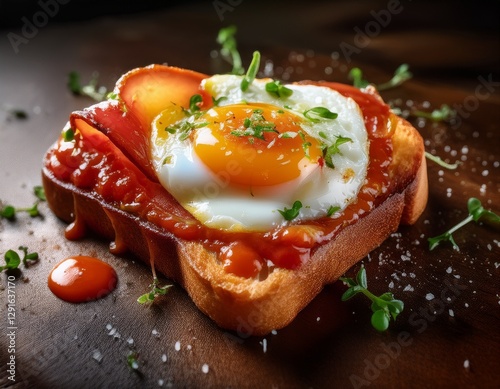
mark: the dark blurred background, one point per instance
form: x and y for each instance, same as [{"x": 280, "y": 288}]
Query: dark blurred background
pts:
[{"x": 291, "y": 24}]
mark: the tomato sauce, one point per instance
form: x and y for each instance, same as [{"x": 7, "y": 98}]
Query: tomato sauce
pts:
[
  {"x": 94, "y": 163},
  {"x": 80, "y": 278}
]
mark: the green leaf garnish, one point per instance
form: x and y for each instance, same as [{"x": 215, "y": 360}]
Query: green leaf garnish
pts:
[
  {"x": 255, "y": 126},
  {"x": 476, "y": 213},
  {"x": 277, "y": 89},
  {"x": 305, "y": 144},
  {"x": 184, "y": 128},
  {"x": 331, "y": 210},
  {"x": 439, "y": 161},
  {"x": 401, "y": 75},
  {"x": 229, "y": 49},
  {"x": 291, "y": 213},
  {"x": 68, "y": 135},
  {"x": 356, "y": 75},
  {"x": 321, "y": 112},
  {"x": 33, "y": 257},
  {"x": 9, "y": 212},
  {"x": 154, "y": 292},
  {"x": 330, "y": 151},
  {"x": 193, "y": 103},
  {"x": 39, "y": 193},
  {"x": 383, "y": 307},
  {"x": 251, "y": 72},
  {"x": 217, "y": 102},
  {"x": 92, "y": 90},
  {"x": 13, "y": 260},
  {"x": 443, "y": 113}
]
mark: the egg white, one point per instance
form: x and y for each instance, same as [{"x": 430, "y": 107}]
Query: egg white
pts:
[{"x": 218, "y": 204}]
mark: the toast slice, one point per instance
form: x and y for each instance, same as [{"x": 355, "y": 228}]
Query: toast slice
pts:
[{"x": 250, "y": 306}]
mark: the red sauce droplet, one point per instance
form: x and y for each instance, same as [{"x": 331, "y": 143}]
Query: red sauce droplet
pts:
[{"x": 79, "y": 279}]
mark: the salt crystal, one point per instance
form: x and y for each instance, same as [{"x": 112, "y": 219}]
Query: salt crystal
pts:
[
  {"x": 449, "y": 270},
  {"x": 274, "y": 332},
  {"x": 429, "y": 296},
  {"x": 391, "y": 284},
  {"x": 264, "y": 345},
  {"x": 164, "y": 358},
  {"x": 177, "y": 346},
  {"x": 408, "y": 288},
  {"x": 160, "y": 382},
  {"x": 205, "y": 368},
  {"x": 155, "y": 333},
  {"x": 96, "y": 354},
  {"x": 466, "y": 305},
  {"x": 108, "y": 326},
  {"x": 451, "y": 313},
  {"x": 130, "y": 341},
  {"x": 466, "y": 364},
  {"x": 485, "y": 173}
]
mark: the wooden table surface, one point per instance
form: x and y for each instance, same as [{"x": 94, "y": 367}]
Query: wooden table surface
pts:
[{"x": 448, "y": 335}]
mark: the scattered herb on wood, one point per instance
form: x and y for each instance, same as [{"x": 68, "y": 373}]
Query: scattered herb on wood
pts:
[
  {"x": 383, "y": 307},
  {"x": 477, "y": 213}
]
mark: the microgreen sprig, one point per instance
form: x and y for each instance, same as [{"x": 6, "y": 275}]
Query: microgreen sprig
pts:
[
  {"x": 330, "y": 151},
  {"x": 291, "y": 213},
  {"x": 9, "y": 212},
  {"x": 154, "y": 292},
  {"x": 251, "y": 72},
  {"x": 356, "y": 75},
  {"x": 476, "y": 213},
  {"x": 319, "y": 112},
  {"x": 383, "y": 307},
  {"x": 193, "y": 104},
  {"x": 13, "y": 260},
  {"x": 401, "y": 74},
  {"x": 440, "y": 162},
  {"x": 229, "y": 50},
  {"x": 332, "y": 209},
  {"x": 277, "y": 89},
  {"x": 443, "y": 113},
  {"x": 92, "y": 90}
]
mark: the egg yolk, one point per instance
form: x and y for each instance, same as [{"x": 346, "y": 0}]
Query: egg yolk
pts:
[{"x": 254, "y": 144}]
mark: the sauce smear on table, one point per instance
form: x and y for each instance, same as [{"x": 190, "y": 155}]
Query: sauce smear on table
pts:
[{"x": 80, "y": 278}]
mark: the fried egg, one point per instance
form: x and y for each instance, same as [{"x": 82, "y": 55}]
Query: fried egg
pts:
[{"x": 254, "y": 161}]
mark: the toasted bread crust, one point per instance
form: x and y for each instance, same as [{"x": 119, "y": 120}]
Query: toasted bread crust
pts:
[{"x": 254, "y": 307}]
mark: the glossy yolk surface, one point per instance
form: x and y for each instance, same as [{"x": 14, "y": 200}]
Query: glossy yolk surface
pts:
[
  {"x": 80, "y": 279},
  {"x": 257, "y": 144}
]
